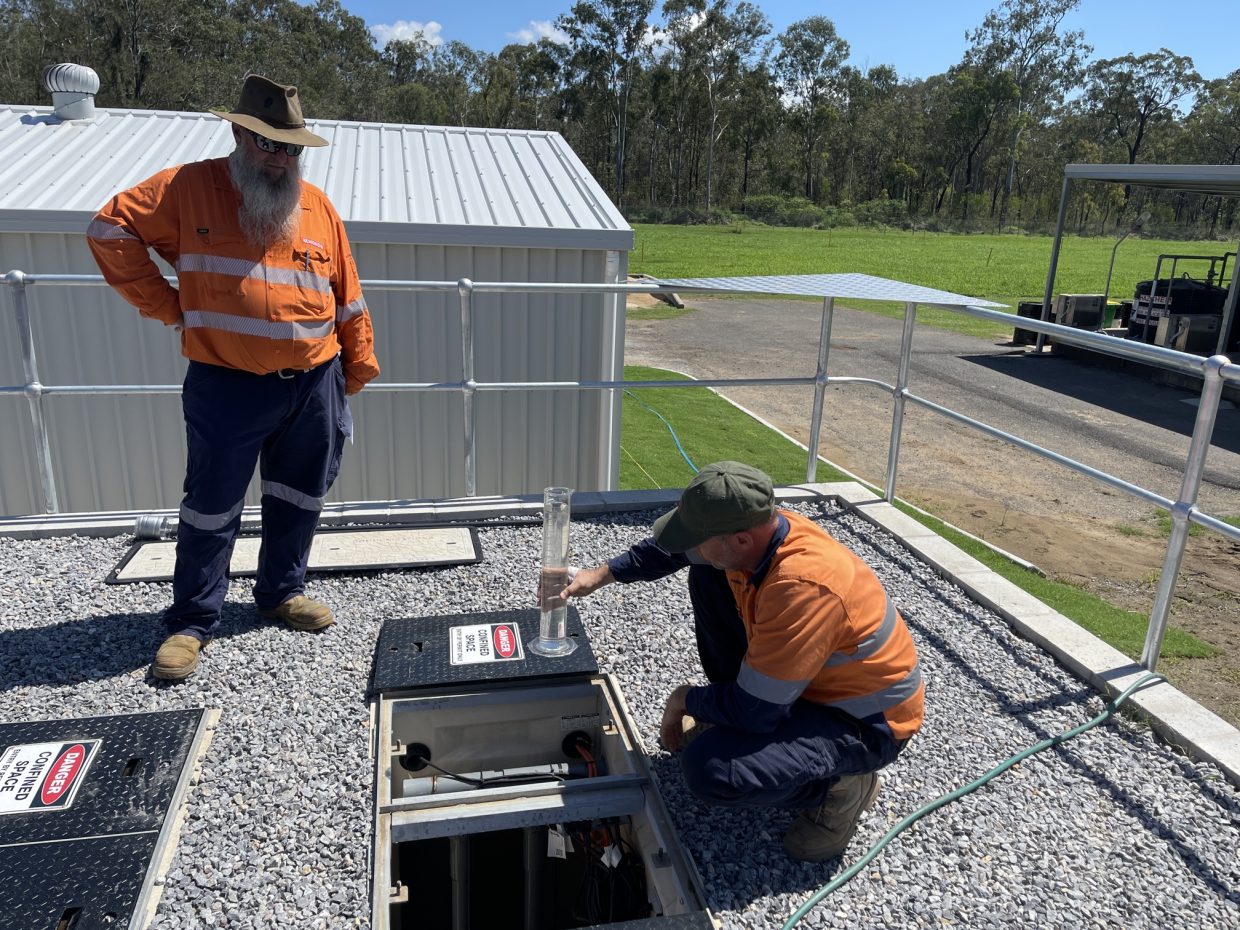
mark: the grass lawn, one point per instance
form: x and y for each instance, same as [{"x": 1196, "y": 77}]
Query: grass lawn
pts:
[
  {"x": 709, "y": 429},
  {"x": 1005, "y": 269}
]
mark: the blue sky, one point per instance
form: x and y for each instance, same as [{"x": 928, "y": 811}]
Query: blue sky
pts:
[{"x": 917, "y": 38}]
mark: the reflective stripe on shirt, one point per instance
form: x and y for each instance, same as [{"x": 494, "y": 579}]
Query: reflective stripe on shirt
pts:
[
  {"x": 247, "y": 326},
  {"x": 767, "y": 688},
  {"x": 98, "y": 229},
  {"x": 346, "y": 312},
  {"x": 871, "y": 644},
  {"x": 245, "y": 268},
  {"x": 889, "y": 697}
]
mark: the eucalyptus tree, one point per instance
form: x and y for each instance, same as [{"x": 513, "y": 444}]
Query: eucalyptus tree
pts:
[
  {"x": 731, "y": 36},
  {"x": 1215, "y": 120},
  {"x": 1131, "y": 95},
  {"x": 808, "y": 66},
  {"x": 1214, "y": 125},
  {"x": 607, "y": 41},
  {"x": 1024, "y": 38},
  {"x": 680, "y": 50},
  {"x": 756, "y": 114},
  {"x": 962, "y": 108}
]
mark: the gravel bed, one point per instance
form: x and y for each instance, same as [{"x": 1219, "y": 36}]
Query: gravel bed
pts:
[{"x": 1114, "y": 829}]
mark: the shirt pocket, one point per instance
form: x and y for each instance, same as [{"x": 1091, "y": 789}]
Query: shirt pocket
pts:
[{"x": 313, "y": 271}]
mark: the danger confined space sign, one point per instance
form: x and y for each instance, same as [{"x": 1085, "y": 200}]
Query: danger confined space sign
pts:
[
  {"x": 485, "y": 642},
  {"x": 43, "y": 776}
]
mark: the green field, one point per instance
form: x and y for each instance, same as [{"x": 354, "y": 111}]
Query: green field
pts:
[{"x": 1005, "y": 269}]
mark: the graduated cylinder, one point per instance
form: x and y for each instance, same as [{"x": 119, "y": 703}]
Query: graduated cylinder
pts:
[{"x": 553, "y": 638}]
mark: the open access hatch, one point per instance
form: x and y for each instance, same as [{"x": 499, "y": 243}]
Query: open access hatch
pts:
[{"x": 513, "y": 794}]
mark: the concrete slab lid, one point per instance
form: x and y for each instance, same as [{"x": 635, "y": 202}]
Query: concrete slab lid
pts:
[{"x": 330, "y": 551}]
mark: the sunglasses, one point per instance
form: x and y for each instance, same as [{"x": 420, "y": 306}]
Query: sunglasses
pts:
[{"x": 270, "y": 145}]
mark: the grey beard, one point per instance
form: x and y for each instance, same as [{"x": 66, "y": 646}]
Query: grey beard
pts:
[{"x": 270, "y": 210}]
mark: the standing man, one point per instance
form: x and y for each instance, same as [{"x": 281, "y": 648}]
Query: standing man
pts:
[
  {"x": 276, "y": 330},
  {"x": 814, "y": 681}
]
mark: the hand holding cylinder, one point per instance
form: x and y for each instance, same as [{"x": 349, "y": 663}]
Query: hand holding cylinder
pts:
[{"x": 553, "y": 638}]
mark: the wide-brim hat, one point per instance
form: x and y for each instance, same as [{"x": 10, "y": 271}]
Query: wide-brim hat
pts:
[{"x": 272, "y": 110}]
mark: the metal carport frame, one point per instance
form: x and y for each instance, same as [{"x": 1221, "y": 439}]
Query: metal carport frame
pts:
[{"x": 1216, "y": 180}]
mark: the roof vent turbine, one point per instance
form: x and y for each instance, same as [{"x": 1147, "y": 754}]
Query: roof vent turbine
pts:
[{"x": 73, "y": 88}]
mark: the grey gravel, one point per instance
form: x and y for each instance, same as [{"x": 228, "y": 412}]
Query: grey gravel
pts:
[{"x": 1114, "y": 829}]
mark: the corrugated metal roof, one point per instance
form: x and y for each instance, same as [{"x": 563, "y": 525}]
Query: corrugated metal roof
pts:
[
  {"x": 1223, "y": 180},
  {"x": 390, "y": 182}
]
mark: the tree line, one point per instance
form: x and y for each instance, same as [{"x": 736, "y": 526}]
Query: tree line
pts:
[{"x": 697, "y": 110}]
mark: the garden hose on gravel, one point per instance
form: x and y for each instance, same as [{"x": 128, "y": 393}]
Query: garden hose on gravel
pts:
[{"x": 934, "y": 805}]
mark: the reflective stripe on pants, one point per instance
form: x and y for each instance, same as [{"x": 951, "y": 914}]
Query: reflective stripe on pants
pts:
[
  {"x": 792, "y": 767},
  {"x": 294, "y": 430}
]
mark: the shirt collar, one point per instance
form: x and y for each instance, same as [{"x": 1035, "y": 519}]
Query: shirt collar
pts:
[{"x": 757, "y": 576}]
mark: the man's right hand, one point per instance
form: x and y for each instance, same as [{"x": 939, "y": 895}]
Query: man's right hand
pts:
[{"x": 588, "y": 580}]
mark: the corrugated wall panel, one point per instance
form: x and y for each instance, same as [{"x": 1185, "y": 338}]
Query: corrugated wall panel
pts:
[
  {"x": 114, "y": 452},
  {"x": 108, "y": 452}
]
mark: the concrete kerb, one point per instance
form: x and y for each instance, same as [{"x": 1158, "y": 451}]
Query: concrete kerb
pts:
[{"x": 1180, "y": 720}]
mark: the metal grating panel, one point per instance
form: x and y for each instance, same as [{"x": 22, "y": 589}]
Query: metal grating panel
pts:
[
  {"x": 415, "y": 652},
  {"x": 357, "y": 549},
  {"x": 98, "y": 857},
  {"x": 855, "y": 286}
]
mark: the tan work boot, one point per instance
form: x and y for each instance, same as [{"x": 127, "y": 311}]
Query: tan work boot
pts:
[
  {"x": 824, "y": 832},
  {"x": 301, "y": 613},
  {"x": 177, "y": 657}
]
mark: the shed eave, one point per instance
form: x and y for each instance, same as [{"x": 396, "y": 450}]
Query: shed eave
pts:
[
  {"x": 45, "y": 221},
  {"x": 493, "y": 236},
  {"x": 76, "y": 221}
]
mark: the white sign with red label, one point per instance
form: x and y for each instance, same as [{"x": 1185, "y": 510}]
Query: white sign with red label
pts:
[
  {"x": 43, "y": 776},
  {"x": 485, "y": 642}
]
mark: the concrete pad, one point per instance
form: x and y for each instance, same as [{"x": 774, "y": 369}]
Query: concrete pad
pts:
[{"x": 332, "y": 550}]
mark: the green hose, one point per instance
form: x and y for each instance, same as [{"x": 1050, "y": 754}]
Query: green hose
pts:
[{"x": 934, "y": 805}]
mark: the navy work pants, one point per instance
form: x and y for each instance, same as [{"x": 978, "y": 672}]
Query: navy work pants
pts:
[
  {"x": 792, "y": 767},
  {"x": 294, "y": 428}
]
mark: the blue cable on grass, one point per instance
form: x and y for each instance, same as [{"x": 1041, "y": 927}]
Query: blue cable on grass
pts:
[{"x": 675, "y": 438}]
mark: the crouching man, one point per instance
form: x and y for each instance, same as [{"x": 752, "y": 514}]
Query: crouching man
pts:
[{"x": 814, "y": 680}]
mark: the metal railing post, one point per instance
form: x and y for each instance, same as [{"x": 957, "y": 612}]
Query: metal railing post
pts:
[
  {"x": 820, "y": 387},
  {"x": 897, "y": 409},
  {"x": 469, "y": 386},
  {"x": 1049, "y": 293},
  {"x": 1194, "y": 466},
  {"x": 34, "y": 389}
]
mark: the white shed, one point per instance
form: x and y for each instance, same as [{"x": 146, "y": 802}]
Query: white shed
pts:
[{"x": 424, "y": 203}]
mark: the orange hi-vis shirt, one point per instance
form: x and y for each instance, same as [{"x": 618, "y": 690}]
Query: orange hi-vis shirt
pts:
[
  {"x": 296, "y": 305},
  {"x": 821, "y": 628}
]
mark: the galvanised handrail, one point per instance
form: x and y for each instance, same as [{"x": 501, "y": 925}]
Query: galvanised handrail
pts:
[{"x": 1213, "y": 371}]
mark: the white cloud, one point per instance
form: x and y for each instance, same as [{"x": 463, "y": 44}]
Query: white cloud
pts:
[
  {"x": 406, "y": 29},
  {"x": 540, "y": 29}
]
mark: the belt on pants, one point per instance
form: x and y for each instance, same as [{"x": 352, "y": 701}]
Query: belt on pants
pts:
[{"x": 289, "y": 373}]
